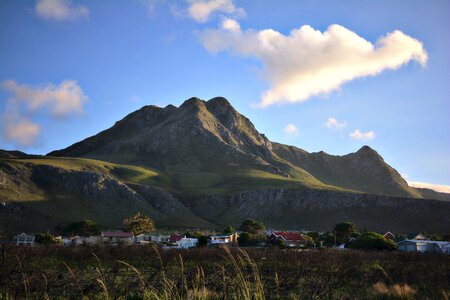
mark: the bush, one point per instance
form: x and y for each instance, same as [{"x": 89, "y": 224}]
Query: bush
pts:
[
  {"x": 252, "y": 226},
  {"x": 247, "y": 239},
  {"x": 372, "y": 241},
  {"x": 138, "y": 224},
  {"x": 45, "y": 238}
]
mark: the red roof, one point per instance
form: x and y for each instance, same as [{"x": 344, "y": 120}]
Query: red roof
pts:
[
  {"x": 290, "y": 235},
  {"x": 117, "y": 234},
  {"x": 175, "y": 238}
]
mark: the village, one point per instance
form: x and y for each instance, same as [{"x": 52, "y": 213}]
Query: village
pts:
[{"x": 251, "y": 234}]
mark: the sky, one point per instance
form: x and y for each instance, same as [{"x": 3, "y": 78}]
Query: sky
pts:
[{"x": 319, "y": 75}]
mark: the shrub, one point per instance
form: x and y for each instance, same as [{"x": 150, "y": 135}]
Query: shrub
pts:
[
  {"x": 138, "y": 224},
  {"x": 248, "y": 239},
  {"x": 372, "y": 241},
  {"x": 252, "y": 226},
  {"x": 45, "y": 238}
]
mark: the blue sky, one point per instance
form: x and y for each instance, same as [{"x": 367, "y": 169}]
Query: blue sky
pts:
[{"x": 71, "y": 69}]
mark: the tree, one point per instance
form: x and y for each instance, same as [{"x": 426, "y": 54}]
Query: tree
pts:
[
  {"x": 81, "y": 228},
  {"x": 251, "y": 226},
  {"x": 202, "y": 241},
  {"x": 45, "y": 238},
  {"x": 373, "y": 241},
  {"x": 138, "y": 224},
  {"x": 247, "y": 239},
  {"x": 229, "y": 230},
  {"x": 344, "y": 231}
]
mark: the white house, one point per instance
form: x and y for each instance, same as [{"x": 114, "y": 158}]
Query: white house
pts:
[
  {"x": 224, "y": 239},
  {"x": 158, "y": 238},
  {"x": 24, "y": 239},
  {"x": 445, "y": 248},
  {"x": 115, "y": 238},
  {"x": 186, "y": 243},
  {"x": 421, "y": 246}
]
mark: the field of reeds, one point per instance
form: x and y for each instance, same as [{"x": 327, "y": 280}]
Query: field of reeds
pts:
[{"x": 146, "y": 272}]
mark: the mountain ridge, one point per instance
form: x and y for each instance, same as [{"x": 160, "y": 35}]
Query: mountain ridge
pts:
[{"x": 202, "y": 165}]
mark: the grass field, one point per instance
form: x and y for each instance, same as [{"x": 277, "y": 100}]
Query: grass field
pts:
[{"x": 145, "y": 272}]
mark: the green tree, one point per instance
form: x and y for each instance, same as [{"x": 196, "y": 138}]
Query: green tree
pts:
[
  {"x": 45, "y": 238},
  {"x": 344, "y": 231},
  {"x": 138, "y": 224},
  {"x": 372, "y": 241},
  {"x": 81, "y": 228},
  {"x": 202, "y": 241},
  {"x": 251, "y": 226},
  {"x": 229, "y": 230},
  {"x": 247, "y": 239}
]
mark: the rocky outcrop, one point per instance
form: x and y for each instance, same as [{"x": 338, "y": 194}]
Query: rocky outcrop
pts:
[{"x": 321, "y": 209}]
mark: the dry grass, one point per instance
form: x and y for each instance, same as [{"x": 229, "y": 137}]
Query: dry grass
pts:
[{"x": 152, "y": 273}]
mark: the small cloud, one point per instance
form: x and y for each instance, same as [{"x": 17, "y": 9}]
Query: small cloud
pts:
[
  {"x": 291, "y": 129},
  {"x": 58, "y": 101},
  {"x": 332, "y": 123},
  {"x": 135, "y": 98},
  {"x": 201, "y": 10},
  {"x": 62, "y": 99},
  {"x": 308, "y": 62},
  {"x": 359, "y": 135},
  {"x": 436, "y": 187},
  {"x": 60, "y": 10},
  {"x": 20, "y": 131}
]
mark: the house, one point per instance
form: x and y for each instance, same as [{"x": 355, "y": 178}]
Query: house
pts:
[
  {"x": 24, "y": 239},
  {"x": 174, "y": 238},
  {"x": 77, "y": 240},
  {"x": 158, "y": 238},
  {"x": 115, "y": 238},
  {"x": 445, "y": 248},
  {"x": 422, "y": 246},
  {"x": 186, "y": 243},
  {"x": 291, "y": 239},
  {"x": 94, "y": 240},
  {"x": 224, "y": 239},
  {"x": 389, "y": 235},
  {"x": 416, "y": 236}
]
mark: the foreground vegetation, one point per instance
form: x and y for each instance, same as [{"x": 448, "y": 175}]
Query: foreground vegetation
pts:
[{"x": 149, "y": 273}]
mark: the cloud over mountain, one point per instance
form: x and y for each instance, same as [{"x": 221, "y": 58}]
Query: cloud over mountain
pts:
[
  {"x": 359, "y": 135},
  {"x": 58, "y": 101},
  {"x": 332, "y": 123},
  {"x": 308, "y": 62},
  {"x": 60, "y": 10},
  {"x": 436, "y": 187},
  {"x": 201, "y": 10}
]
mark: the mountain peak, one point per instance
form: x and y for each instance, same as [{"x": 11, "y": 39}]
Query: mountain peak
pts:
[
  {"x": 193, "y": 101},
  {"x": 219, "y": 101},
  {"x": 367, "y": 150}
]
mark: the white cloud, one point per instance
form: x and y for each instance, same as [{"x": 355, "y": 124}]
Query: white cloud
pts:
[
  {"x": 436, "y": 187},
  {"x": 62, "y": 99},
  {"x": 60, "y": 10},
  {"x": 359, "y": 135},
  {"x": 201, "y": 10},
  {"x": 291, "y": 129},
  {"x": 308, "y": 62},
  {"x": 20, "y": 130},
  {"x": 57, "y": 100},
  {"x": 332, "y": 123}
]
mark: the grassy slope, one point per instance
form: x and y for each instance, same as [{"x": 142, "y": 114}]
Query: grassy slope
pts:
[
  {"x": 182, "y": 180},
  {"x": 62, "y": 204}
]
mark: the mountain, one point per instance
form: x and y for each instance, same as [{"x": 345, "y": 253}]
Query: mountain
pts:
[
  {"x": 204, "y": 165},
  {"x": 216, "y": 143},
  {"x": 364, "y": 170}
]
